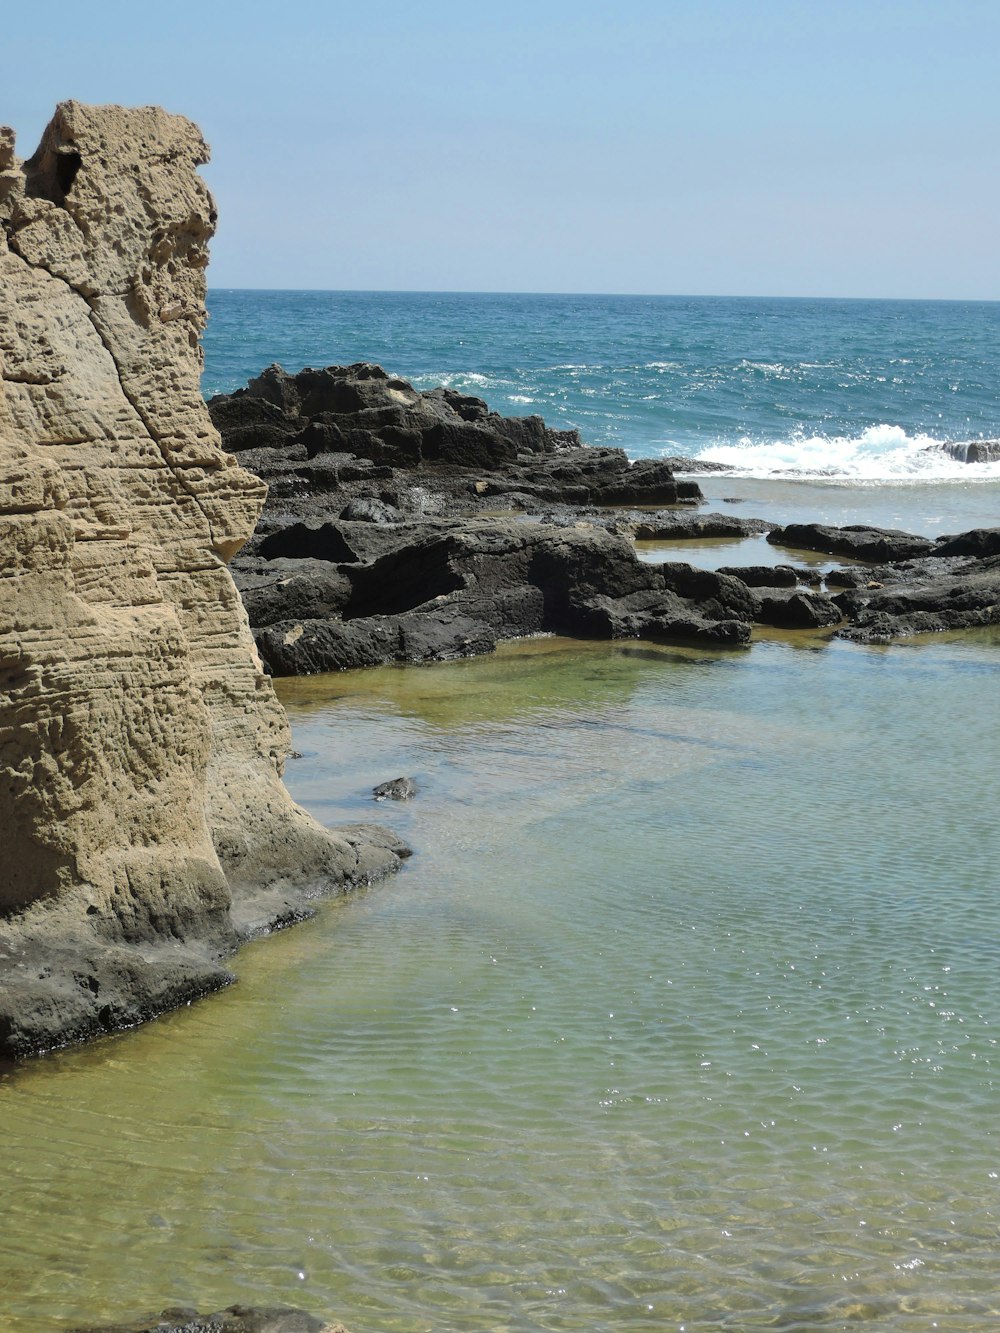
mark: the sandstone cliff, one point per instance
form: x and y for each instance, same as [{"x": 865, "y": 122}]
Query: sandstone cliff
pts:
[{"x": 143, "y": 824}]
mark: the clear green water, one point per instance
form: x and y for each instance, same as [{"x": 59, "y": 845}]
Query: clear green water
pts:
[{"x": 684, "y": 1015}]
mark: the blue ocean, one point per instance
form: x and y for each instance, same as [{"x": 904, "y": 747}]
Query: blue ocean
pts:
[
  {"x": 850, "y": 389},
  {"x": 685, "y": 1013}
]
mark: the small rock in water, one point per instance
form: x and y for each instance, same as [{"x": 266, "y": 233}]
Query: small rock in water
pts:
[{"x": 398, "y": 789}]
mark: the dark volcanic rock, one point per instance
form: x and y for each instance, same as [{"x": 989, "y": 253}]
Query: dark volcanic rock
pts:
[
  {"x": 451, "y": 588},
  {"x": 763, "y": 576},
  {"x": 362, "y": 414},
  {"x": 972, "y": 451},
  {"x": 680, "y": 526},
  {"x": 381, "y": 540},
  {"x": 978, "y": 542},
  {"x": 857, "y": 542},
  {"x": 965, "y": 598},
  {"x": 396, "y": 789},
  {"x": 694, "y": 465},
  {"x": 790, "y": 608},
  {"x": 388, "y": 537}
]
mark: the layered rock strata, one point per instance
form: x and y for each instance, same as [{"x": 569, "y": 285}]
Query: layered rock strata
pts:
[{"x": 144, "y": 824}]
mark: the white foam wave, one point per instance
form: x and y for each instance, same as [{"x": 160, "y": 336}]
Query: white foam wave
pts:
[
  {"x": 880, "y": 453},
  {"x": 463, "y": 379}
]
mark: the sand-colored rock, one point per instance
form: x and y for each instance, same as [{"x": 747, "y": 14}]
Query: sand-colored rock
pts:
[{"x": 143, "y": 822}]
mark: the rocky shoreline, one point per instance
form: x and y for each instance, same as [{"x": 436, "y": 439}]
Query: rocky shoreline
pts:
[{"x": 408, "y": 526}]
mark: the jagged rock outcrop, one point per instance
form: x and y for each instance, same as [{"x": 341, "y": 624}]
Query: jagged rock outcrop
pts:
[
  {"x": 382, "y": 541},
  {"x": 347, "y": 428},
  {"x": 143, "y": 821}
]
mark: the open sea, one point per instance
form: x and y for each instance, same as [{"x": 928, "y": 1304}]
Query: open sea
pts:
[{"x": 685, "y": 1013}]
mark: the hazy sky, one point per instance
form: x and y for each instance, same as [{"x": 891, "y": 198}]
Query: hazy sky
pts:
[{"x": 762, "y": 147}]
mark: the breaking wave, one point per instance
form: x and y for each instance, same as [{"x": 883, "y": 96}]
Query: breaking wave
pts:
[{"x": 879, "y": 453}]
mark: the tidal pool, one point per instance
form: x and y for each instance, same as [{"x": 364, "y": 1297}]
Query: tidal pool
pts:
[{"x": 684, "y": 1014}]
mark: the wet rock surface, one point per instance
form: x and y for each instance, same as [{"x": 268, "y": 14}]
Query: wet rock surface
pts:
[
  {"x": 413, "y": 527},
  {"x": 396, "y": 789},
  {"x": 855, "y": 542},
  {"x": 409, "y": 526}
]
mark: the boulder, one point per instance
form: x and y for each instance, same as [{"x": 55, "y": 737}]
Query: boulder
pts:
[
  {"x": 763, "y": 576},
  {"x": 978, "y": 542},
  {"x": 679, "y": 526},
  {"x": 856, "y": 541},
  {"x": 971, "y": 451}
]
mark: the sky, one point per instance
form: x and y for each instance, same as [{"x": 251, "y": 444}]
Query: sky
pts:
[{"x": 729, "y": 147}]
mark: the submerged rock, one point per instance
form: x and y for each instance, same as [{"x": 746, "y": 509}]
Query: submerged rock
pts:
[
  {"x": 396, "y": 789},
  {"x": 234, "y": 1319},
  {"x": 141, "y": 744}
]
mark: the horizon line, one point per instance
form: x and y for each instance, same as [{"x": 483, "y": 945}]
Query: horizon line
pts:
[{"x": 654, "y": 296}]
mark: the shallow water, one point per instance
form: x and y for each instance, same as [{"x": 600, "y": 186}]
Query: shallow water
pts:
[{"x": 684, "y": 1014}]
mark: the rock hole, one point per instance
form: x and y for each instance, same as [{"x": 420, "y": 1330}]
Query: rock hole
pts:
[{"x": 67, "y": 165}]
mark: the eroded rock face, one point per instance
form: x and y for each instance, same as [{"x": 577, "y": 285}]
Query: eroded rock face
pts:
[{"x": 142, "y": 814}]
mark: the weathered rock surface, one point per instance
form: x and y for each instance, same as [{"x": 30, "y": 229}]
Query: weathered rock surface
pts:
[
  {"x": 388, "y": 536},
  {"x": 856, "y": 542},
  {"x": 365, "y": 593},
  {"x": 382, "y": 541},
  {"x": 918, "y": 599},
  {"x": 354, "y": 430},
  {"x": 141, "y": 744},
  {"x": 687, "y": 527}
]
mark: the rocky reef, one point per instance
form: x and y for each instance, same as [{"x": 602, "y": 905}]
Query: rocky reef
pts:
[
  {"x": 144, "y": 823},
  {"x": 409, "y": 526},
  {"x": 413, "y": 526}
]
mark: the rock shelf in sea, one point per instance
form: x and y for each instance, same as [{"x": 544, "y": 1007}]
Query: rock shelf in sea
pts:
[
  {"x": 145, "y": 826},
  {"x": 414, "y": 526}
]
